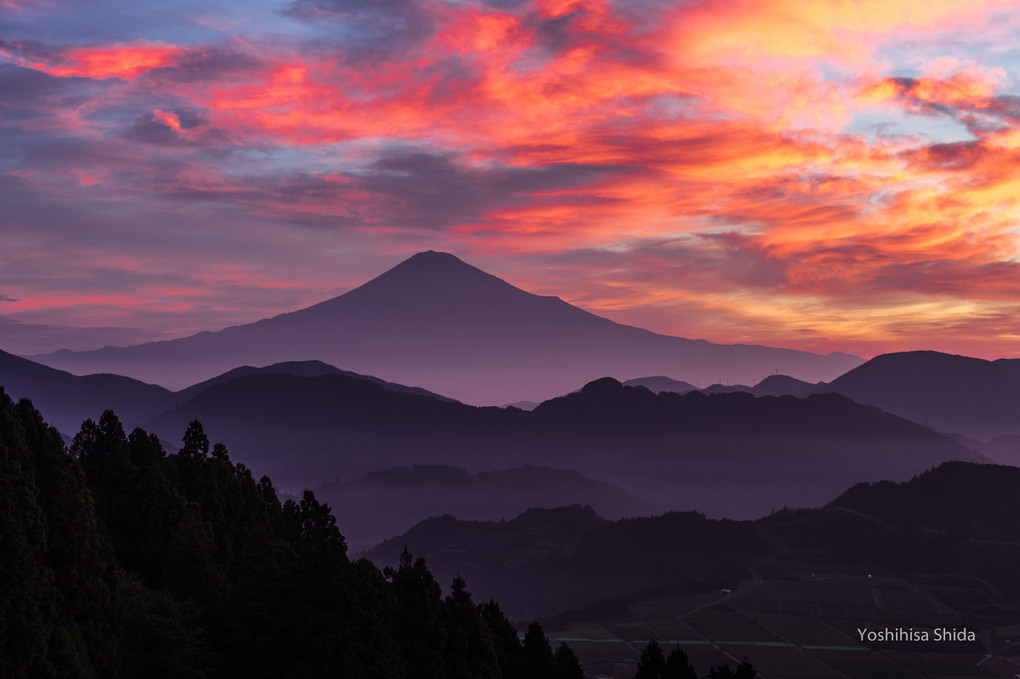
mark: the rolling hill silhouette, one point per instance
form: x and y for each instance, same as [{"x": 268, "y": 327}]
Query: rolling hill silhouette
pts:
[
  {"x": 547, "y": 560},
  {"x": 69, "y": 399},
  {"x": 436, "y": 322},
  {"x": 726, "y": 454},
  {"x": 773, "y": 385},
  {"x": 951, "y": 527},
  {"x": 954, "y": 394},
  {"x": 660, "y": 383},
  {"x": 382, "y": 504}
]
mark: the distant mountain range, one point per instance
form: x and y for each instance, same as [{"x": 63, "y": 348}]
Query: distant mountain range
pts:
[
  {"x": 382, "y": 504},
  {"x": 70, "y": 399},
  {"x": 954, "y": 394},
  {"x": 725, "y": 454},
  {"x": 953, "y": 526},
  {"x": 973, "y": 397},
  {"x": 437, "y": 322}
]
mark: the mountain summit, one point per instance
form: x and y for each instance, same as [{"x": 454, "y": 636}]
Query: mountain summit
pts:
[{"x": 437, "y": 322}]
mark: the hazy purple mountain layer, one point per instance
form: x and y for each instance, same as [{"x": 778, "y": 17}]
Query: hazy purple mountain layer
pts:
[
  {"x": 382, "y": 504},
  {"x": 773, "y": 385},
  {"x": 727, "y": 454},
  {"x": 953, "y": 525},
  {"x": 953, "y": 394},
  {"x": 68, "y": 399},
  {"x": 660, "y": 383},
  {"x": 436, "y": 322}
]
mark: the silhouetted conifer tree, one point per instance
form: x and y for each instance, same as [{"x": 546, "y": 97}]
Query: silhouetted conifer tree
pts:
[
  {"x": 509, "y": 652},
  {"x": 59, "y": 614},
  {"x": 567, "y": 665},
  {"x": 678, "y": 666},
  {"x": 539, "y": 662},
  {"x": 216, "y": 576},
  {"x": 745, "y": 670},
  {"x": 469, "y": 652},
  {"x": 196, "y": 443},
  {"x": 651, "y": 663},
  {"x": 420, "y": 627}
]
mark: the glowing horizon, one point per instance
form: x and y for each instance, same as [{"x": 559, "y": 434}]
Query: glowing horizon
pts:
[{"x": 831, "y": 176}]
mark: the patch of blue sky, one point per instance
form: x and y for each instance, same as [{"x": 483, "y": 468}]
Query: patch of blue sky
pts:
[
  {"x": 168, "y": 21},
  {"x": 929, "y": 129},
  {"x": 353, "y": 156}
]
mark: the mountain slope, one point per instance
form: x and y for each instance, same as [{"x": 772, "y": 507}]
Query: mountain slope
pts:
[
  {"x": 382, "y": 504},
  {"x": 952, "y": 528},
  {"x": 548, "y": 560},
  {"x": 728, "y": 454},
  {"x": 978, "y": 502},
  {"x": 437, "y": 322},
  {"x": 660, "y": 383},
  {"x": 954, "y": 394},
  {"x": 69, "y": 399}
]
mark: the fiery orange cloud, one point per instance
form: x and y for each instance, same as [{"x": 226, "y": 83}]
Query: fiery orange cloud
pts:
[
  {"x": 750, "y": 59},
  {"x": 973, "y": 89},
  {"x": 171, "y": 120},
  {"x": 720, "y": 129},
  {"x": 105, "y": 61}
]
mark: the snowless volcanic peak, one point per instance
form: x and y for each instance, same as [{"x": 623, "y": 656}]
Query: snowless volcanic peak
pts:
[{"x": 436, "y": 322}]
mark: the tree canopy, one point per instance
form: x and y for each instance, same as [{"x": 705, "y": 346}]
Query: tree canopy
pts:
[{"x": 120, "y": 560}]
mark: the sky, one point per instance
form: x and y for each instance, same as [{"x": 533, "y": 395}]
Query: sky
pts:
[{"x": 826, "y": 176}]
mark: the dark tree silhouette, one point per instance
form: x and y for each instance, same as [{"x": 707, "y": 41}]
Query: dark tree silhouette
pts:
[
  {"x": 678, "y": 666},
  {"x": 651, "y": 663}
]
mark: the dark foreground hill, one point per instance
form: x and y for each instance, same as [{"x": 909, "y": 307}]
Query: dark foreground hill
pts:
[
  {"x": 953, "y": 394},
  {"x": 121, "y": 561},
  {"x": 437, "y": 322},
  {"x": 952, "y": 527},
  {"x": 548, "y": 560}
]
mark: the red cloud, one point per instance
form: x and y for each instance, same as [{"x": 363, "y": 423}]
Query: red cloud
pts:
[
  {"x": 103, "y": 61},
  {"x": 718, "y": 126}
]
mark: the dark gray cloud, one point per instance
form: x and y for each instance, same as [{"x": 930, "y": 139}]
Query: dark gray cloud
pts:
[
  {"x": 404, "y": 187},
  {"x": 28, "y": 94}
]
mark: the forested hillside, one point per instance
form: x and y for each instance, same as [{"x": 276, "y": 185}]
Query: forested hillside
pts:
[{"x": 121, "y": 560}]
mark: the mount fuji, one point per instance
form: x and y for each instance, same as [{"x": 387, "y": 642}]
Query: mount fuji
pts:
[{"x": 437, "y": 322}]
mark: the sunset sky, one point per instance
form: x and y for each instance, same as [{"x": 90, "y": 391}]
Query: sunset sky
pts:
[{"x": 828, "y": 176}]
